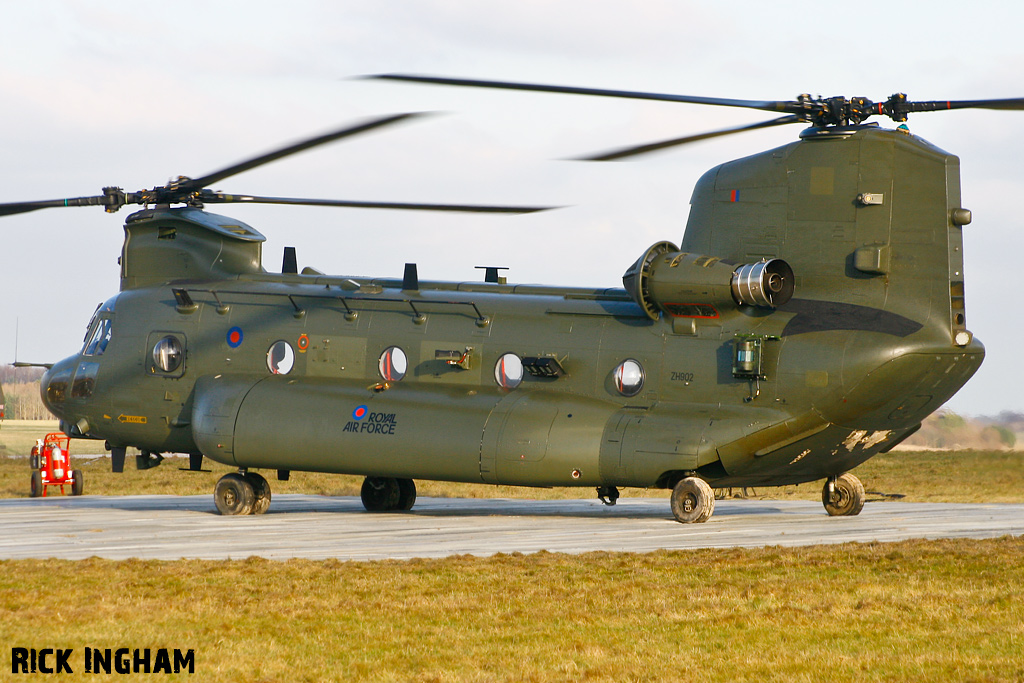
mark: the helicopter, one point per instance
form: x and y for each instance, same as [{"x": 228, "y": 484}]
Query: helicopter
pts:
[{"x": 812, "y": 315}]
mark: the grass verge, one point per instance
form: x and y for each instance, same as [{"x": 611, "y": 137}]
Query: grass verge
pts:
[{"x": 918, "y": 610}]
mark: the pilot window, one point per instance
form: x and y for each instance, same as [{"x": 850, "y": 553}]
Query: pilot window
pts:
[
  {"x": 99, "y": 337},
  {"x": 85, "y": 380},
  {"x": 57, "y": 386}
]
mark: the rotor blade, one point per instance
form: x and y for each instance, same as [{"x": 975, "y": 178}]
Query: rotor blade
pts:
[
  {"x": 13, "y": 208},
  {"x": 217, "y": 176},
  {"x": 780, "y": 106},
  {"x": 221, "y": 198},
  {"x": 1016, "y": 103},
  {"x": 183, "y": 189},
  {"x": 627, "y": 152}
]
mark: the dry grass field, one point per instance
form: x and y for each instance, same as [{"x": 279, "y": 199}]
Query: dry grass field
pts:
[{"x": 913, "y": 611}]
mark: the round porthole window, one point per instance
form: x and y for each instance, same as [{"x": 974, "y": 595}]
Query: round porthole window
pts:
[
  {"x": 508, "y": 371},
  {"x": 393, "y": 364},
  {"x": 167, "y": 354},
  {"x": 629, "y": 377},
  {"x": 280, "y": 358}
]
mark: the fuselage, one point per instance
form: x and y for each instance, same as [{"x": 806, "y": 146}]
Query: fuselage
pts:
[{"x": 830, "y": 399}]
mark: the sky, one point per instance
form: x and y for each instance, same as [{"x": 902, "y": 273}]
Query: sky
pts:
[{"x": 135, "y": 93}]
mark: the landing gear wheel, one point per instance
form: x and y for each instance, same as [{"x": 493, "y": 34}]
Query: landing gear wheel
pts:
[
  {"x": 843, "y": 497},
  {"x": 78, "y": 484},
  {"x": 37, "y": 484},
  {"x": 380, "y": 494},
  {"x": 261, "y": 492},
  {"x": 406, "y": 494},
  {"x": 234, "y": 495},
  {"x": 693, "y": 501}
]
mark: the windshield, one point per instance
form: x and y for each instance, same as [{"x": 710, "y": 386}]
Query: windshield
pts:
[{"x": 100, "y": 328}]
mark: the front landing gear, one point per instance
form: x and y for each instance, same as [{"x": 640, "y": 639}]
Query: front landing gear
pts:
[
  {"x": 693, "y": 501},
  {"x": 387, "y": 494},
  {"x": 242, "y": 494},
  {"x": 843, "y": 495}
]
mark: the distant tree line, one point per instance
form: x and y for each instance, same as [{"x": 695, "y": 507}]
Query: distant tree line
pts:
[
  {"x": 12, "y": 375},
  {"x": 21, "y": 391},
  {"x": 23, "y": 402},
  {"x": 946, "y": 429}
]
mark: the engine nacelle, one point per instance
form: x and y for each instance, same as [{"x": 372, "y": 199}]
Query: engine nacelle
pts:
[{"x": 697, "y": 286}]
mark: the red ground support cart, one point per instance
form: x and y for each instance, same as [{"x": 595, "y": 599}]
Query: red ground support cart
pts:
[{"x": 51, "y": 466}]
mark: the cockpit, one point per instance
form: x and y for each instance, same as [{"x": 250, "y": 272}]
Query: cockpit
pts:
[{"x": 64, "y": 380}]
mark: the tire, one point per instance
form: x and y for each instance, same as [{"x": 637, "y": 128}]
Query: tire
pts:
[
  {"x": 693, "y": 501},
  {"x": 406, "y": 494},
  {"x": 849, "y": 497},
  {"x": 37, "y": 484},
  {"x": 261, "y": 492},
  {"x": 380, "y": 494},
  {"x": 234, "y": 495},
  {"x": 78, "y": 484}
]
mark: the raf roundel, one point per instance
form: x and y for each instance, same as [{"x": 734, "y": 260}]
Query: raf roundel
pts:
[
  {"x": 235, "y": 337},
  {"x": 359, "y": 413}
]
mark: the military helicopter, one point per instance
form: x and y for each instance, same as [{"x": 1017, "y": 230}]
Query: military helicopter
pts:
[{"x": 811, "y": 317}]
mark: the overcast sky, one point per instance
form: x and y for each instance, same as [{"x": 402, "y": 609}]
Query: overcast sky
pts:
[{"x": 134, "y": 93}]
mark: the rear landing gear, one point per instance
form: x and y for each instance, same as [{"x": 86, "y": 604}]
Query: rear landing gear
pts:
[
  {"x": 242, "y": 494},
  {"x": 387, "y": 494},
  {"x": 693, "y": 501},
  {"x": 843, "y": 496}
]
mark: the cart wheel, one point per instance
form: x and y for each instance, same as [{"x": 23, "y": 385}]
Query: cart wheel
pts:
[
  {"x": 37, "y": 484},
  {"x": 261, "y": 492},
  {"x": 78, "y": 483}
]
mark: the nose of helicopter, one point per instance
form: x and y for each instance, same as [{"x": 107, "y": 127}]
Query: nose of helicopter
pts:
[{"x": 55, "y": 386}]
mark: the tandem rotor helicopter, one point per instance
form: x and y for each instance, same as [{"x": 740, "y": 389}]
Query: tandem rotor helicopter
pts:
[{"x": 811, "y": 317}]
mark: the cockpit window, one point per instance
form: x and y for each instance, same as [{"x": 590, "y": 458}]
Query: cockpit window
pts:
[
  {"x": 85, "y": 380},
  {"x": 99, "y": 337},
  {"x": 57, "y": 386}
]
